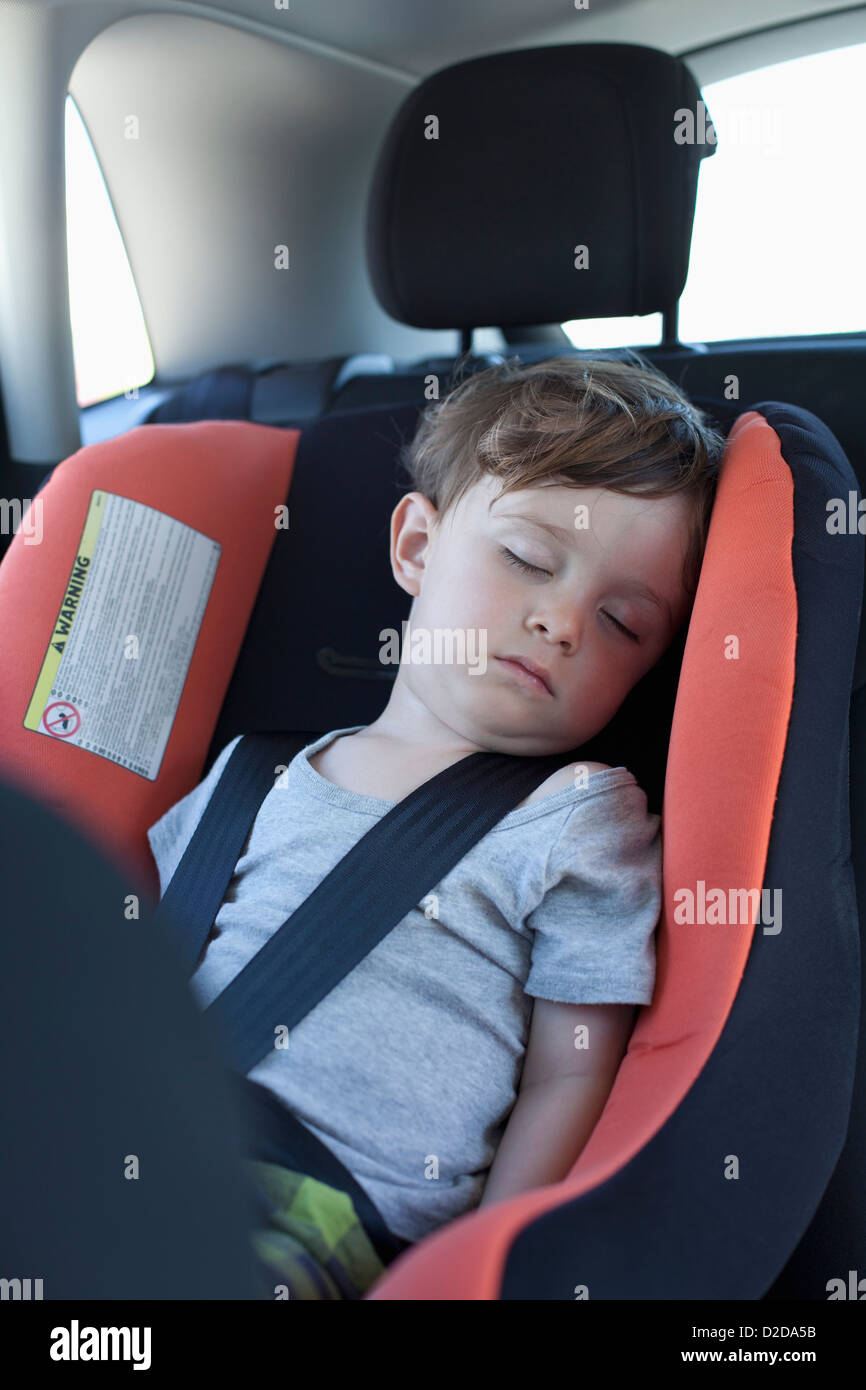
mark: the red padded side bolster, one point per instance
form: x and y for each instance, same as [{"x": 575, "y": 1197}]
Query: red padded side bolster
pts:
[{"x": 222, "y": 478}]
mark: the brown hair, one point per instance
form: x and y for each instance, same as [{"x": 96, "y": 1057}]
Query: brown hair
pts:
[{"x": 585, "y": 421}]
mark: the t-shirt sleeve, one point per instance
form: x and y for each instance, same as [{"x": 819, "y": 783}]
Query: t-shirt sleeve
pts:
[
  {"x": 594, "y": 930},
  {"x": 169, "y": 836}
]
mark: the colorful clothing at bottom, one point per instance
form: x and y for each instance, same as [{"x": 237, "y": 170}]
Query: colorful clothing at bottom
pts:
[{"x": 314, "y": 1245}]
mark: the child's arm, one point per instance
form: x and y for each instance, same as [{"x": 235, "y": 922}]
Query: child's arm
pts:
[{"x": 563, "y": 1089}]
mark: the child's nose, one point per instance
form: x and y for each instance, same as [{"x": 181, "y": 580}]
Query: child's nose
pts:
[{"x": 563, "y": 625}]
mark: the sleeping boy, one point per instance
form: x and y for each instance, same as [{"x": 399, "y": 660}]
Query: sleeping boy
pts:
[{"x": 561, "y": 511}]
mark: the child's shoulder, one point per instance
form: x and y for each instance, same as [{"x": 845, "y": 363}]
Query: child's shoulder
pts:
[{"x": 571, "y": 775}]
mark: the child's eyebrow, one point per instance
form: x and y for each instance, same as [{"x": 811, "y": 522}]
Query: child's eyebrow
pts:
[{"x": 637, "y": 586}]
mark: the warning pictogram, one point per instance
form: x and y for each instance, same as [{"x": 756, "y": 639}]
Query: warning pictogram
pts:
[{"x": 61, "y": 719}]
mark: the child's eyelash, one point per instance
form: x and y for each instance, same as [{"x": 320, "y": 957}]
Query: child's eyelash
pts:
[
  {"x": 536, "y": 569},
  {"x": 622, "y": 627},
  {"x": 521, "y": 564}
]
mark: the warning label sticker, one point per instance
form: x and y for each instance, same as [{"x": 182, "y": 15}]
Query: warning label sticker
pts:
[{"x": 123, "y": 640}]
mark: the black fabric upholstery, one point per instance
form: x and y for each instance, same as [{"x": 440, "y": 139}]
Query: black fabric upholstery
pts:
[
  {"x": 328, "y": 588},
  {"x": 221, "y": 394},
  {"x": 538, "y": 151}
]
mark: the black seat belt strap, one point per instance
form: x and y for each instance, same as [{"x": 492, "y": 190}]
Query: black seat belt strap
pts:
[
  {"x": 385, "y": 874},
  {"x": 195, "y": 894}
]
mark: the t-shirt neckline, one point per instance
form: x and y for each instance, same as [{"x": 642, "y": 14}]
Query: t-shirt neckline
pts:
[{"x": 314, "y": 784}]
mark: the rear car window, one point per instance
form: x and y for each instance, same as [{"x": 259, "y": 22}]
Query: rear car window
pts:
[
  {"x": 109, "y": 338},
  {"x": 778, "y": 232}
]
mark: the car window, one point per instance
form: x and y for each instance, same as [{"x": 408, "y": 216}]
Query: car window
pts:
[
  {"x": 109, "y": 337},
  {"x": 778, "y": 232}
]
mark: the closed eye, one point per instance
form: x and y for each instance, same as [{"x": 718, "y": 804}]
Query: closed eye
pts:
[
  {"x": 521, "y": 564},
  {"x": 525, "y": 566},
  {"x": 622, "y": 627}
]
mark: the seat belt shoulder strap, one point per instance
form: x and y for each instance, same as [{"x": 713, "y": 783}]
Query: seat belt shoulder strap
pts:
[{"x": 198, "y": 886}]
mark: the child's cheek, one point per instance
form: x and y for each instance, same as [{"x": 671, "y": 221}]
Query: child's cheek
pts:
[
  {"x": 474, "y": 592},
  {"x": 490, "y": 594}
]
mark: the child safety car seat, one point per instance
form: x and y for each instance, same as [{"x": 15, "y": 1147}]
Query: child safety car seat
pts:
[
  {"x": 730, "y": 1109},
  {"x": 746, "y": 1055}
]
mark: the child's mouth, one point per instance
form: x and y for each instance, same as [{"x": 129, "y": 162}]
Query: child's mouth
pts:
[{"x": 525, "y": 677}]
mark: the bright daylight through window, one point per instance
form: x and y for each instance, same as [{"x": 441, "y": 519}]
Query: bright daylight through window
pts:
[
  {"x": 778, "y": 232},
  {"x": 109, "y": 337}
]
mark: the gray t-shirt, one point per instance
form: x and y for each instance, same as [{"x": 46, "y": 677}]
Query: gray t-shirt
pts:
[{"x": 409, "y": 1068}]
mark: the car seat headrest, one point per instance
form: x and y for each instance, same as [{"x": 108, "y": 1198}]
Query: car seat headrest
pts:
[{"x": 494, "y": 172}]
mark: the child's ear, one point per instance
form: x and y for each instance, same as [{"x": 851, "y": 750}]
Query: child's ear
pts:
[{"x": 413, "y": 522}]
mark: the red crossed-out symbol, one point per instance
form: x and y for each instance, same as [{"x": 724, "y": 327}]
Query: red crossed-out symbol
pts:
[{"x": 61, "y": 719}]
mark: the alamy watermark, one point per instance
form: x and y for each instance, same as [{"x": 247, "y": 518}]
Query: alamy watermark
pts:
[
  {"x": 30, "y": 524},
  {"x": 439, "y": 646},
  {"x": 758, "y": 127},
  {"x": 732, "y": 907},
  {"x": 24, "y": 1290}
]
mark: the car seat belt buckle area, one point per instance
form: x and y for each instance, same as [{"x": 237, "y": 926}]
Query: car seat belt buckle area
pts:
[{"x": 276, "y": 1135}]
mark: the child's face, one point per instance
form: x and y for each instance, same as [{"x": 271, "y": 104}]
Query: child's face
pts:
[{"x": 558, "y": 615}]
